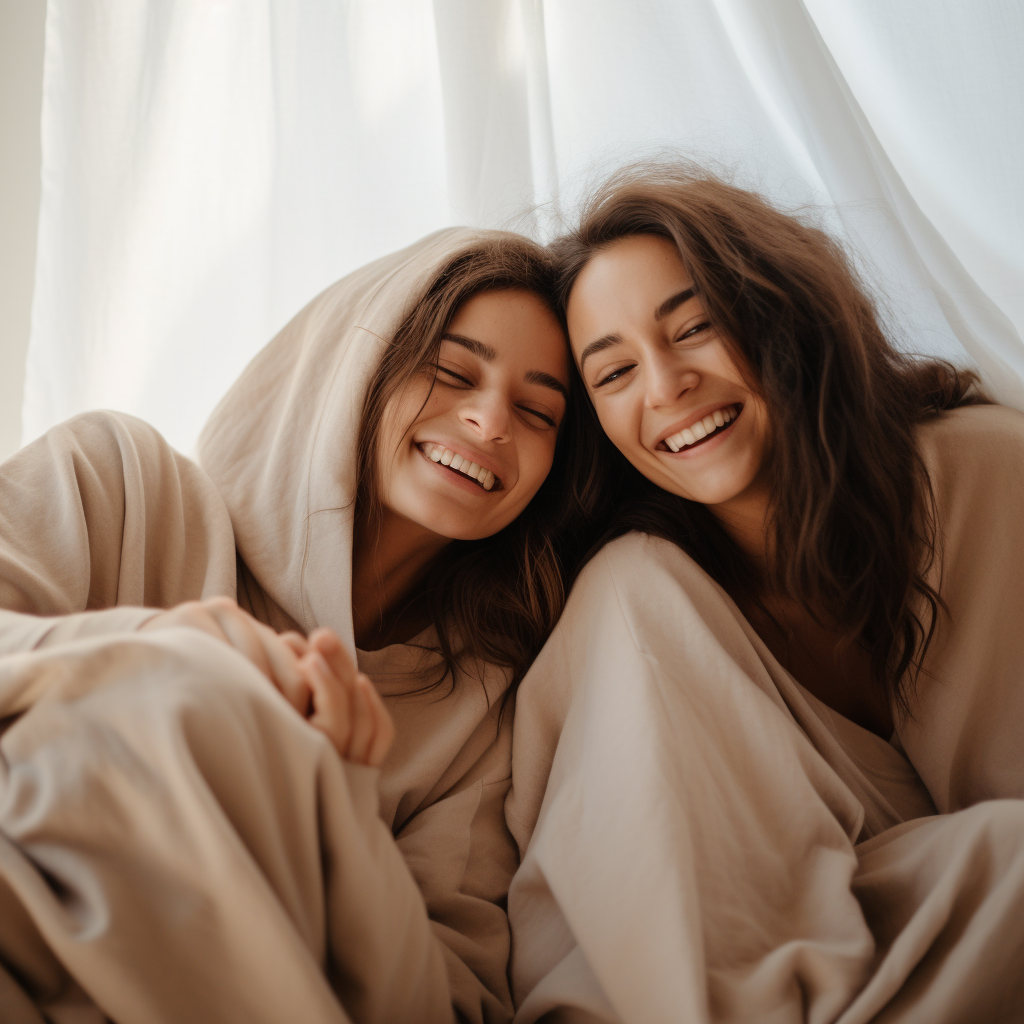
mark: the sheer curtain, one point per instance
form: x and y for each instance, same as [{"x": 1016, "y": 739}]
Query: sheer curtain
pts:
[{"x": 209, "y": 165}]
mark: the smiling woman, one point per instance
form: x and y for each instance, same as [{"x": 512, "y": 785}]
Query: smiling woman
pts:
[
  {"x": 768, "y": 766},
  {"x": 662, "y": 347},
  {"x": 477, "y": 376}
]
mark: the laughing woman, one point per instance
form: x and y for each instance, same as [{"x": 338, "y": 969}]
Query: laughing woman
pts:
[
  {"x": 177, "y": 843},
  {"x": 769, "y": 766}
]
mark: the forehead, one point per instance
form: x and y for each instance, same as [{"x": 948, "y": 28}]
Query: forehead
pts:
[
  {"x": 517, "y": 325},
  {"x": 624, "y": 282}
]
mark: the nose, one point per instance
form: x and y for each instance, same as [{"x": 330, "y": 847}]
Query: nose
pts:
[
  {"x": 667, "y": 380},
  {"x": 488, "y": 415}
]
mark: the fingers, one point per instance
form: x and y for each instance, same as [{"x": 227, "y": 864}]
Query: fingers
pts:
[
  {"x": 335, "y": 653},
  {"x": 364, "y": 724},
  {"x": 296, "y": 641},
  {"x": 193, "y": 614},
  {"x": 239, "y": 629},
  {"x": 332, "y": 711},
  {"x": 318, "y": 676},
  {"x": 277, "y": 657},
  {"x": 346, "y": 705}
]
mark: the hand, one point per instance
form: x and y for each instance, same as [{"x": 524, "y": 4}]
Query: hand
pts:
[
  {"x": 346, "y": 706},
  {"x": 275, "y": 655},
  {"x": 316, "y": 676}
]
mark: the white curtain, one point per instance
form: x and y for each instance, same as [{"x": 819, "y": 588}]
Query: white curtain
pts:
[{"x": 209, "y": 165}]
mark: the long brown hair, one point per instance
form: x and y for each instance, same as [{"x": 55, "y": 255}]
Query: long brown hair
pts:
[
  {"x": 852, "y": 510},
  {"x": 494, "y": 599}
]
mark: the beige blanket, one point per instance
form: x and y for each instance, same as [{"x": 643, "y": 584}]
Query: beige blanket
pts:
[
  {"x": 176, "y": 843},
  {"x": 704, "y": 841}
]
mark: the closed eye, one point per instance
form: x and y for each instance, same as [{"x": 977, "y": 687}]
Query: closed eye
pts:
[
  {"x": 453, "y": 374},
  {"x": 540, "y": 415}
]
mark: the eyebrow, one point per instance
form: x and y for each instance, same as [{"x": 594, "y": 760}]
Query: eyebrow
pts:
[
  {"x": 674, "y": 303},
  {"x": 599, "y": 346},
  {"x": 478, "y": 348},
  {"x": 488, "y": 354},
  {"x": 547, "y": 381}
]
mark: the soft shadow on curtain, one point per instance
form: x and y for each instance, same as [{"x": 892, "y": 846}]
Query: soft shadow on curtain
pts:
[{"x": 209, "y": 165}]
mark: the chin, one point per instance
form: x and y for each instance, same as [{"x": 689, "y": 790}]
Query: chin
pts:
[
  {"x": 451, "y": 527},
  {"x": 711, "y": 492}
]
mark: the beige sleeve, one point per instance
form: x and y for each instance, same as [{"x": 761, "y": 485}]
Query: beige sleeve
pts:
[
  {"x": 462, "y": 856},
  {"x": 22, "y": 632},
  {"x": 100, "y": 520}
]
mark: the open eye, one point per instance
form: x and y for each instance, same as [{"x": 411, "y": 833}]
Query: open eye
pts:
[
  {"x": 614, "y": 375},
  {"x": 691, "y": 332}
]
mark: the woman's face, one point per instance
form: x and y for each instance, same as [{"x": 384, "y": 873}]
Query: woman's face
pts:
[
  {"x": 472, "y": 446},
  {"x": 666, "y": 386}
]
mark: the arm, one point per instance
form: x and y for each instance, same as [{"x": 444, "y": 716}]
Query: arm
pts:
[{"x": 101, "y": 519}]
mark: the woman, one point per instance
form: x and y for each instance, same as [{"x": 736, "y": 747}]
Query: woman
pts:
[
  {"x": 768, "y": 766},
  {"x": 177, "y": 842}
]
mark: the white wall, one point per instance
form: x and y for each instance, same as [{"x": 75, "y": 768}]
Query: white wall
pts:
[{"x": 21, "y": 80}]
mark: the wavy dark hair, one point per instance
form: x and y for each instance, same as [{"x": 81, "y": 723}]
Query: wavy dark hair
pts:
[
  {"x": 495, "y": 599},
  {"x": 852, "y": 519}
]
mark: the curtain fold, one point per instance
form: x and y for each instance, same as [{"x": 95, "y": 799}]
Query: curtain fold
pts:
[{"x": 209, "y": 165}]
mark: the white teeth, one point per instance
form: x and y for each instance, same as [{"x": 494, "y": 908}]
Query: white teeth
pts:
[
  {"x": 699, "y": 430},
  {"x": 438, "y": 453}
]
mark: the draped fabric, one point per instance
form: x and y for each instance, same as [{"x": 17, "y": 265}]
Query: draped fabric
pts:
[
  {"x": 158, "y": 786},
  {"x": 208, "y": 165}
]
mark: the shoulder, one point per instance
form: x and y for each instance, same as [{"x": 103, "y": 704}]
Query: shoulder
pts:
[
  {"x": 974, "y": 457},
  {"x": 972, "y": 435},
  {"x": 636, "y": 575},
  {"x": 112, "y": 458},
  {"x": 100, "y": 442},
  {"x": 979, "y": 447},
  {"x": 104, "y": 429}
]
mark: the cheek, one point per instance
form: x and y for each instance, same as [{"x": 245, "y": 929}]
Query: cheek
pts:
[
  {"x": 619, "y": 422},
  {"x": 405, "y": 409},
  {"x": 400, "y": 416}
]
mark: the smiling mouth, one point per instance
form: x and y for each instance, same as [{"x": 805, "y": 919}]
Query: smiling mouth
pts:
[
  {"x": 702, "y": 430},
  {"x": 460, "y": 466}
]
